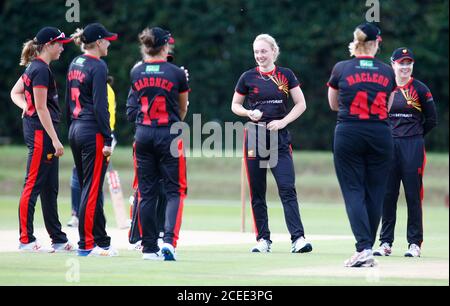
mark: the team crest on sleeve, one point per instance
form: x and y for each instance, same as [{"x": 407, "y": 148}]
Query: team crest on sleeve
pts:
[{"x": 282, "y": 82}]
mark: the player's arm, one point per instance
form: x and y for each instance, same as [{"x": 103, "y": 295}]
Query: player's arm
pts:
[
  {"x": 183, "y": 103},
  {"x": 18, "y": 96},
  {"x": 183, "y": 96},
  {"x": 132, "y": 106},
  {"x": 237, "y": 105},
  {"x": 333, "y": 100},
  {"x": 333, "y": 87},
  {"x": 298, "y": 109},
  {"x": 429, "y": 112},
  {"x": 101, "y": 106},
  {"x": 40, "y": 100}
]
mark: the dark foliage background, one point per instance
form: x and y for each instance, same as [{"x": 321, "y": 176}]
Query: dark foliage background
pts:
[{"x": 214, "y": 40}]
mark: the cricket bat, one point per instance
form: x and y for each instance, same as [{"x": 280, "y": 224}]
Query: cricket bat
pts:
[{"x": 115, "y": 190}]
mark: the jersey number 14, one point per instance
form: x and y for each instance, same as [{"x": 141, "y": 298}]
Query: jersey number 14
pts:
[{"x": 158, "y": 111}]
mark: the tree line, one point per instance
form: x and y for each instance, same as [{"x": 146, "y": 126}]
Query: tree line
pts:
[{"x": 214, "y": 41}]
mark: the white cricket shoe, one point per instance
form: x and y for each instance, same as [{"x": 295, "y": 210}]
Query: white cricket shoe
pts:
[
  {"x": 136, "y": 247},
  {"x": 263, "y": 246},
  {"x": 414, "y": 251},
  {"x": 153, "y": 256},
  {"x": 32, "y": 247},
  {"x": 104, "y": 252},
  {"x": 73, "y": 222},
  {"x": 361, "y": 259},
  {"x": 301, "y": 246},
  {"x": 168, "y": 251},
  {"x": 384, "y": 250},
  {"x": 63, "y": 247}
]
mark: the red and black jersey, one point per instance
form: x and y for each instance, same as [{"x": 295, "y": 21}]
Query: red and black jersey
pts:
[
  {"x": 268, "y": 92},
  {"x": 153, "y": 99},
  {"x": 86, "y": 93},
  {"x": 364, "y": 84},
  {"x": 39, "y": 75},
  {"x": 413, "y": 110}
]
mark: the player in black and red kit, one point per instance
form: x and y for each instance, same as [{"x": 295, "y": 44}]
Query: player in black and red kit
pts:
[
  {"x": 36, "y": 93},
  {"x": 90, "y": 134},
  {"x": 135, "y": 234},
  {"x": 158, "y": 99},
  {"x": 266, "y": 89},
  {"x": 359, "y": 90},
  {"x": 412, "y": 116}
]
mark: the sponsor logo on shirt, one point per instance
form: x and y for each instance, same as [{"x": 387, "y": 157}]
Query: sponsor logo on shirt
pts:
[
  {"x": 152, "y": 68},
  {"x": 80, "y": 61}
]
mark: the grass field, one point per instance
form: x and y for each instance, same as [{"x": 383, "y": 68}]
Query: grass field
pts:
[{"x": 213, "y": 206}]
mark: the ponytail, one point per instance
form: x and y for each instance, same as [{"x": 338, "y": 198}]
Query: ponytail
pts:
[
  {"x": 359, "y": 43},
  {"x": 78, "y": 38},
  {"x": 147, "y": 41},
  {"x": 30, "y": 51}
]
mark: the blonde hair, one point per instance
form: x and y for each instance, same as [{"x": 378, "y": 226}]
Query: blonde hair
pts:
[
  {"x": 30, "y": 51},
  {"x": 360, "y": 45},
  {"x": 147, "y": 41},
  {"x": 271, "y": 41},
  {"x": 78, "y": 40}
]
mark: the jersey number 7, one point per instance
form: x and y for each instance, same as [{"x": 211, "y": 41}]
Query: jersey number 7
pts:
[{"x": 360, "y": 106}]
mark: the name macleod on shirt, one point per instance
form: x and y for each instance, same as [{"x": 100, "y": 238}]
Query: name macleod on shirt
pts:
[{"x": 367, "y": 77}]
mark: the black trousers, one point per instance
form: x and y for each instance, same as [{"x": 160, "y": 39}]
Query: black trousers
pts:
[
  {"x": 41, "y": 180},
  {"x": 362, "y": 156},
  {"x": 407, "y": 167},
  {"x": 284, "y": 174},
  {"x": 135, "y": 233},
  {"x": 155, "y": 160},
  {"x": 87, "y": 145}
]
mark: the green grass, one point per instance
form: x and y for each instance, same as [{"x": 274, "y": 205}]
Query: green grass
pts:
[
  {"x": 213, "y": 205},
  {"x": 225, "y": 265}
]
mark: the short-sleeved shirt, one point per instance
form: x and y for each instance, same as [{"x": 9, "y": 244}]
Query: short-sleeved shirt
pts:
[
  {"x": 413, "y": 106},
  {"x": 86, "y": 93},
  {"x": 364, "y": 85},
  {"x": 154, "y": 94},
  {"x": 39, "y": 75},
  {"x": 268, "y": 92}
]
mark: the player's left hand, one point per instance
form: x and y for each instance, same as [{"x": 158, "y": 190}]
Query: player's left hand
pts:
[
  {"x": 276, "y": 125},
  {"x": 107, "y": 151}
]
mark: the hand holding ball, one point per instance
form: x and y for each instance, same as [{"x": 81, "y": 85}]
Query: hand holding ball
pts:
[{"x": 255, "y": 115}]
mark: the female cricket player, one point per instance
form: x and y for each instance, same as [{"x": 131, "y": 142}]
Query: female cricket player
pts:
[
  {"x": 90, "y": 134},
  {"x": 75, "y": 186},
  {"x": 135, "y": 233},
  {"x": 359, "y": 90},
  {"x": 267, "y": 89},
  {"x": 412, "y": 116},
  {"x": 158, "y": 98},
  {"x": 36, "y": 94}
]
